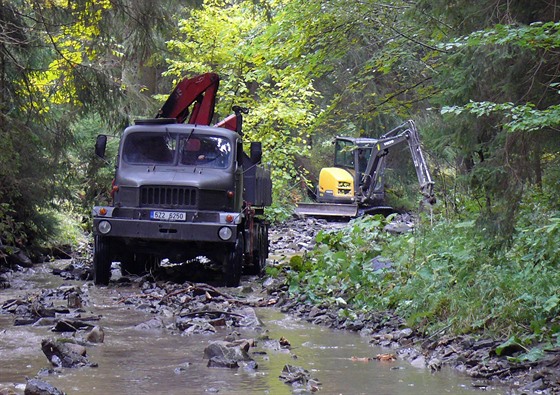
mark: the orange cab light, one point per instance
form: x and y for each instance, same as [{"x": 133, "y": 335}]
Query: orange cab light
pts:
[
  {"x": 229, "y": 218},
  {"x": 114, "y": 189},
  {"x": 229, "y": 194},
  {"x": 102, "y": 211}
]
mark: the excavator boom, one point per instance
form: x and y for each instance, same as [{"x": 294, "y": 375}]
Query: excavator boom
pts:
[{"x": 373, "y": 175}]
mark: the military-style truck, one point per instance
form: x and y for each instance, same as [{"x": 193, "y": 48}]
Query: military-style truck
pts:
[{"x": 184, "y": 190}]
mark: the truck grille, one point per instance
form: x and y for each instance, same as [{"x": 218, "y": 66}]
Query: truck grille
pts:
[{"x": 180, "y": 197}]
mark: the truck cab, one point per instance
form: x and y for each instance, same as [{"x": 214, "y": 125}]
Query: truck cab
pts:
[{"x": 182, "y": 191}]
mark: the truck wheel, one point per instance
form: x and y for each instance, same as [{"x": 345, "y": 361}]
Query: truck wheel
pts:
[
  {"x": 139, "y": 263},
  {"x": 101, "y": 261},
  {"x": 260, "y": 253},
  {"x": 234, "y": 263},
  {"x": 263, "y": 251}
]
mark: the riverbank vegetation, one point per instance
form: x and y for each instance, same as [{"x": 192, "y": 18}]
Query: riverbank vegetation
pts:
[
  {"x": 481, "y": 80},
  {"x": 447, "y": 277}
]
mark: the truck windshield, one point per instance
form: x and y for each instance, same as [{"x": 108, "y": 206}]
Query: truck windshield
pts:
[
  {"x": 205, "y": 151},
  {"x": 141, "y": 148},
  {"x": 194, "y": 150}
]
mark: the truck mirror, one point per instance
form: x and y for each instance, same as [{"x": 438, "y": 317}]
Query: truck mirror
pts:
[
  {"x": 256, "y": 152},
  {"x": 101, "y": 145}
]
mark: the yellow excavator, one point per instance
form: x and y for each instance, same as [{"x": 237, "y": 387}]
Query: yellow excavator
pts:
[{"x": 355, "y": 184}]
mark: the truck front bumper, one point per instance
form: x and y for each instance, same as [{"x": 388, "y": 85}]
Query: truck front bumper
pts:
[{"x": 164, "y": 230}]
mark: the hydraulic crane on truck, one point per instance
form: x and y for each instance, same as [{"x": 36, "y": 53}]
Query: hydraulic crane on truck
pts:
[{"x": 184, "y": 190}]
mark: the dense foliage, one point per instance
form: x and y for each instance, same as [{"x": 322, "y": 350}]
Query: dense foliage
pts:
[{"x": 481, "y": 79}]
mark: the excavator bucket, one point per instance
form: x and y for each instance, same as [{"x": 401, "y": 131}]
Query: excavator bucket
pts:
[{"x": 335, "y": 210}]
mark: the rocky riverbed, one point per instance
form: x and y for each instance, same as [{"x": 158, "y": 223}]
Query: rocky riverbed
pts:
[{"x": 190, "y": 308}]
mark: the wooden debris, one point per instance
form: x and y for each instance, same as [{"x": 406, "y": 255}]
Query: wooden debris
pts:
[{"x": 386, "y": 357}]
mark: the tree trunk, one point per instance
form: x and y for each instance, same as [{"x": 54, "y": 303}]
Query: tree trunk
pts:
[{"x": 537, "y": 165}]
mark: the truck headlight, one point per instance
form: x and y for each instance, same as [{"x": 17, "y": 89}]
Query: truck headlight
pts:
[
  {"x": 225, "y": 233},
  {"x": 104, "y": 227}
]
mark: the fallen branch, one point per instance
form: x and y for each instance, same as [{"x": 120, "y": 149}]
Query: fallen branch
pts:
[{"x": 211, "y": 312}]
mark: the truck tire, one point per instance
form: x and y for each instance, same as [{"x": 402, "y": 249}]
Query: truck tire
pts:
[
  {"x": 138, "y": 264},
  {"x": 233, "y": 264},
  {"x": 102, "y": 260},
  {"x": 263, "y": 251},
  {"x": 260, "y": 253}
]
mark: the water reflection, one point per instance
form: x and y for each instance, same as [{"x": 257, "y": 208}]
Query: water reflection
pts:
[{"x": 329, "y": 356}]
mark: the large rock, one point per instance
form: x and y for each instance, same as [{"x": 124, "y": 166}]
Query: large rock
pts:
[
  {"x": 70, "y": 325},
  {"x": 39, "y": 387},
  {"x": 299, "y": 377},
  {"x": 75, "y": 271},
  {"x": 194, "y": 326},
  {"x": 96, "y": 335},
  {"x": 4, "y": 278},
  {"x": 155, "y": 323},
  {"x": 227, "y": 354},
  {"x": 228, "y": 350},
  {"x": 15, "y": 256},
  {"x": 65, "y": 354}
]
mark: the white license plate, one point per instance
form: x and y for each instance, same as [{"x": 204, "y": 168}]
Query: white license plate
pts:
[{"x": 168, "y": 215}]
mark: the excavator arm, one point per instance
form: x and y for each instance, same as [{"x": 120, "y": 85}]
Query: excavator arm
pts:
[{"x": 370, "y": 180}]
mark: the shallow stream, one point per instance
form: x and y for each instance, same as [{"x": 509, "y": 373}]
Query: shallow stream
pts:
[{"x": 133, "y": 361}]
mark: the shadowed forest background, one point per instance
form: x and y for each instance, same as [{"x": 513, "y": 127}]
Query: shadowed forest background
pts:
[{"x": 481, "y": 80}]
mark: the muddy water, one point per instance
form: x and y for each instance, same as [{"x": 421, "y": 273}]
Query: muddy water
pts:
[{"x": 133, "y": 361}]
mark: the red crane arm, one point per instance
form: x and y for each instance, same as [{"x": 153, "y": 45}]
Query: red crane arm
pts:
[
  {"x": 200, "y": 90},
  {"x": 234, "y": 122}
]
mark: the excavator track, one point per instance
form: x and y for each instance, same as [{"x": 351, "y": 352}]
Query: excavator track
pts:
[
  {"x": 340, "y": 210},
  {"x": 326, "y": 210}
]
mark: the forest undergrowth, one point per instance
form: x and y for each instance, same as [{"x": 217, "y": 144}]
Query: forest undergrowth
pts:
[{"x": 448, "y": 276}]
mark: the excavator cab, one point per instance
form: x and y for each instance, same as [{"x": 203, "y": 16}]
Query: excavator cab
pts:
[
  {"x": 336, "y": 184},
  {"x": 342, "y": 182}
]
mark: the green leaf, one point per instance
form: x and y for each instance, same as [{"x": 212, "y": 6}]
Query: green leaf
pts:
[
  {"x": 512, "y": 343},
  {"x": 533, "y": 355},
  {"x": 551, "y": 303}
]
